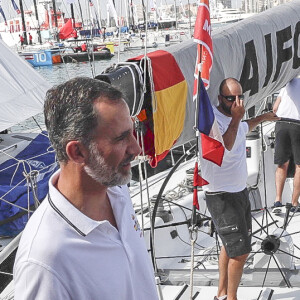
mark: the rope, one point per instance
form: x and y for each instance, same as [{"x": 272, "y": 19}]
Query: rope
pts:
[
  {"x": 139, "y": 137},
  {"x": 149, "y": 207},
  {"x": 62, "y": 55},
  {"x": 30, "y": 177},
  {"x": 5, "y": 273},
  {"x": 13, "y": 204},
  {"x": 193, "y": 240},
  {"x": 151, "y": 82}
]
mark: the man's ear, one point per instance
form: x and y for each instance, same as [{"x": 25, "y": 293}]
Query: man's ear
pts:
[
  {"x": 77, "y": 152},
  {"x": 219, "y": 98}
]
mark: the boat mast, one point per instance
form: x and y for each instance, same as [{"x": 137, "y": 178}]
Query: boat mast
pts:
[
  {"x": 246, "y": 7},
  {"x": 144, "y": 13},
  {"x": 99, "y": 14},
  {"x": 126, "y": 8},
  {"x": 23, "y": 22},
  {"x": 176, "y": 26},
  {"x": 80, "y": 9},
  {"x": 132, "y": 17},
  {"x": 72, "y": 15},
  {"x": 156, "y": 16},
  {"x": 55, "y": 20},
  {"x": 38, "y": 22},
  {"x": 190, "y": 22}
]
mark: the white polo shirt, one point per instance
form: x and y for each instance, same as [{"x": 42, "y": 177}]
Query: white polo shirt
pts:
[
  {"x": 64, "y": 255},
  {"x": 232, "y": 175}
]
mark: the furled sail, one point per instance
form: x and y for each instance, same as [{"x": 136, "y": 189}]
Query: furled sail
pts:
[{"x": 262, "y": 52}]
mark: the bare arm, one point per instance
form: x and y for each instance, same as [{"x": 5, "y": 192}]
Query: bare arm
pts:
[
  {"x": 230, "y": 135},
  {"x": 237, "y": 113},
  {"x": 269, "y": 116},
  {"x": 276, "y": 104}
]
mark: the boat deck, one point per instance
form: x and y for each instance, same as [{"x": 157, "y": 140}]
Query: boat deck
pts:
[{"x": 244, "y": 293}]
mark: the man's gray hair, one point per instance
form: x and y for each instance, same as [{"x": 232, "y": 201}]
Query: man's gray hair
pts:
[{"x": 69, "y": 111}]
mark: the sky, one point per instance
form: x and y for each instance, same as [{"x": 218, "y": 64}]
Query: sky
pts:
[{"x": 27, "y": 4}]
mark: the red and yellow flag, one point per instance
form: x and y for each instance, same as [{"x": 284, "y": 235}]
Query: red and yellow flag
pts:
[{"x": 168, "y": 103}]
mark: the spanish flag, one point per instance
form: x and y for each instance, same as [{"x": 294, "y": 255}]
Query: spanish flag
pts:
[{"x": 168, "y": 102}]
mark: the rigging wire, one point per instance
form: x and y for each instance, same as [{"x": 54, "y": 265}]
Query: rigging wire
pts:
[
  {"x": 139, "y": 138},
  {"x": 90, "y": 46},
  {"x": 159, "y": 196}
]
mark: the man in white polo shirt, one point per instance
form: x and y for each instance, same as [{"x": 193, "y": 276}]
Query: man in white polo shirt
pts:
[
  {"x": 226, "y": 194},
  {"x": 84, "y": 242}
]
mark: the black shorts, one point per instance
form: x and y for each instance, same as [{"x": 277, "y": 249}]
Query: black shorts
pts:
[
  {"x": 231, "y": 214},
  {"x": 287, "y": 143}
]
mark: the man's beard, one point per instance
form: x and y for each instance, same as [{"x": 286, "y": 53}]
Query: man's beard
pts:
[
  {"x": 226, "y": 108},
  {"x": 101, "y": 172}
]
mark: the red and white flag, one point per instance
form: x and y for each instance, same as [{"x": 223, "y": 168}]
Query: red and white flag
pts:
[
  {"x": 212, "y": 145},
  {"x": 202, "y": 36}
]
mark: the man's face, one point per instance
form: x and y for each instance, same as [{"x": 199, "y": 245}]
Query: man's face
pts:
[
  {"x": 114, "y": 146},
  {"x": 228, "y": 96}
]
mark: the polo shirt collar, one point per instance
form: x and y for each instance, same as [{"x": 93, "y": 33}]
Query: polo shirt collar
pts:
[{"x": 74, "y": 217}]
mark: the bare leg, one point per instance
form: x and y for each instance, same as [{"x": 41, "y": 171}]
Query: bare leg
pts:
[
  {"x": 280, "y": 177},
  {"x": 296, "y": 189},
  {"x": 223, "y": 272},
  {"x": 235, "y": 272}
]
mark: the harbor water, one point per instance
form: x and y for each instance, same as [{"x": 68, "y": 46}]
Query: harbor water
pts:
[{"x": 60, "y": 73}]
